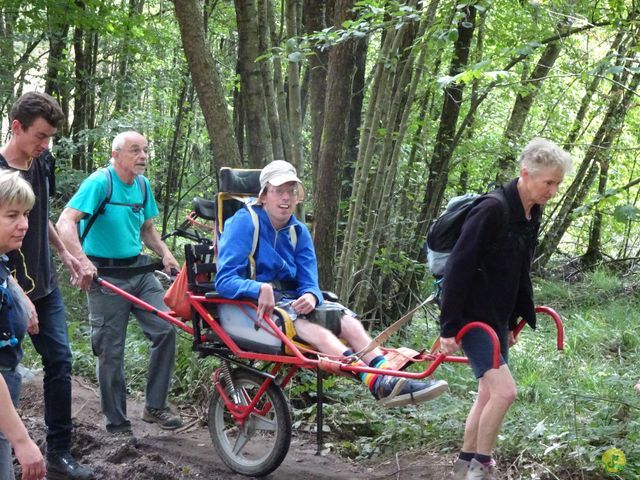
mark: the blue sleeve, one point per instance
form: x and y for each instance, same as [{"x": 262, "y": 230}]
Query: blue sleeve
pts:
[
  {"x": 150, "y": 206},
  {"x": 307, "y": 265},
  {"x": 233, "y": 258},
  {"x": 92, "y": 191}
]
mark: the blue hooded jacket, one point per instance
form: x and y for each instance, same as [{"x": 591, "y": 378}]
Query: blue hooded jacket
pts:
[{"x": 275, "y": 257}]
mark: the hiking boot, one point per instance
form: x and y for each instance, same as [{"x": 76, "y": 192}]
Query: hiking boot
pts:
[
  {"x": 62, "y": 466},
  {"x": 121, "y": 429},
  {"x": 163, "y": 417},
  {"x": 480, "y": 471},
  {"x": 460, "y": 469},
  {"x": 122, "y": 434},
  {"x": 398, "y": 391}
]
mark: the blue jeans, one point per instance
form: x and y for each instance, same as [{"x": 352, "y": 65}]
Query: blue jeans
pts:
[
  {"x": 52, "y": 343},
  {"x": 14, "y": 384}
]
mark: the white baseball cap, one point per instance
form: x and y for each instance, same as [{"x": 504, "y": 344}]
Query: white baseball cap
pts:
[{"x": 278, "y": 173}]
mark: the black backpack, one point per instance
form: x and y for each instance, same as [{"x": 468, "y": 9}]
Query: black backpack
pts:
[{"x": 445, "y": 230}]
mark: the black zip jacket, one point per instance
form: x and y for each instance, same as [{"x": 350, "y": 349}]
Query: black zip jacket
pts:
[{"x": 488, "y": 275}]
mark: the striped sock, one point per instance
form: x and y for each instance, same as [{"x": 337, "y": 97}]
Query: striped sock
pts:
[{"x": 370, "y": 379}]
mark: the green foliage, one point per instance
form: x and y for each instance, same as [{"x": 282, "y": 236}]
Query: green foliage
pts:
[{"x": 571, "y": 407}]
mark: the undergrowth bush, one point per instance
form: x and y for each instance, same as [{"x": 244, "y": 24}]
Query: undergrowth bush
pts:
[{"x": 571, "y": 407}]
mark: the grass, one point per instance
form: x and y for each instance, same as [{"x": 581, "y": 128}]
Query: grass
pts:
[{"x": 572, "y": 406}]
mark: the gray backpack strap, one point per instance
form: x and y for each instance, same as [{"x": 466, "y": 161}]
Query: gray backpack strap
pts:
[
  {"x": 254, "y": 242},
  {"x": 293, "y": 235}
]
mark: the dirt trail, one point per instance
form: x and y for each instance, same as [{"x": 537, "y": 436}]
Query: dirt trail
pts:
[{"x": 189, "y": 454}]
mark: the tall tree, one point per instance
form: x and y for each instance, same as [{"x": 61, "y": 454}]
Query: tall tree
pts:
[
  {"x": 293, "y": 19},
  {"x": 331, "y": 155},
  {"x": 207, "y": 83},
  {"x": 253, "y": 91},
  {"x": 315, "y": 20}
]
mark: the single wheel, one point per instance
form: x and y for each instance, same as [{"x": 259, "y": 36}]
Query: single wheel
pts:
[{"x": 259, "y": 446}]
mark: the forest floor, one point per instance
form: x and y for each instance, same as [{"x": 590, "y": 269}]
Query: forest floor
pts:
[{"x": 189, "y": 454}]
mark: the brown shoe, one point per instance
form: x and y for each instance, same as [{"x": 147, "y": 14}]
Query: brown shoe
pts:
[{"x": 163, "y": 417}]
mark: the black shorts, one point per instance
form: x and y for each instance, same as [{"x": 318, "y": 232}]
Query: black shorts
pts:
[
  {"x": 328, "y": 315},
  {"x": 478, "y": 348}
]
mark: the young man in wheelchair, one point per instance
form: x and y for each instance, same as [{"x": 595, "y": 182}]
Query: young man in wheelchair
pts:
[{"x": 286, "y": 274}]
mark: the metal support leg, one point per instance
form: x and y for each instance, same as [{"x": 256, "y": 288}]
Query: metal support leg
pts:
[{"x": 319, "y": 418}]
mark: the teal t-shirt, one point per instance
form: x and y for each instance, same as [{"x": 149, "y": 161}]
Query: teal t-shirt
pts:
[{"x": 116, "y": 232}]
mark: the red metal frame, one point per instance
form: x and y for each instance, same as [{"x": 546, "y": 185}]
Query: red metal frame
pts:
[{"x": 299, "y": 360}]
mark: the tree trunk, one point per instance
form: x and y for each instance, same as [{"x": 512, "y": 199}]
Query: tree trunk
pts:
[
  {"x": 259, "y": 149},
  {"x": 78, "y": 160},
  {"x": 173, "y": 163},
  {"x": 278, "y": 81},
  {"x": 207, "y": 83},
  {"x": 363, "y": 164},
  {"x": 521, "y": 109},
  {"x": 593, "y": 253},
  {"x": 609, "y": 129},
  {"x": 7, "y": 59},
  {"x": 293, "y": 81},
  {"x": 444, "y": 143},
  {"x": 125, "y": 95},
  {"x": 266, "y": 68},
  {"x": 315, "y": 21},
  {"x": 408, "y": 77},
  {"x": 358, "y": 89},
  {"x": 55, "y": 85},
  {"x": 331, "y": 161}
]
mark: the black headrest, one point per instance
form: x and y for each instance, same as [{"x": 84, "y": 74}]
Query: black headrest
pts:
[
  {"x": 240, "y": 181},
  {"x": 204, "y": 208}
]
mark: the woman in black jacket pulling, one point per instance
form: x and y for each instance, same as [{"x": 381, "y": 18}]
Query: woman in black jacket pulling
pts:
[{"x": 487, "y": 278}]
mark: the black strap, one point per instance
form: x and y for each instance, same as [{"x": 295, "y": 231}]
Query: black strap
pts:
[{"x": 124, "y": 272}]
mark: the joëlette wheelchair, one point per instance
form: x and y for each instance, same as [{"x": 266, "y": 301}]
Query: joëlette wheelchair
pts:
[{"x": 249, "y": 417}]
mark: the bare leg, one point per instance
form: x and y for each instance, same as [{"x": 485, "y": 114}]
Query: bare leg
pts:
[
  {"x": 496, "y": 393},
  {"x": 318, "y": 336},
  {"x": 322, "y": 339},
  {"x": 357, "y": 337}
]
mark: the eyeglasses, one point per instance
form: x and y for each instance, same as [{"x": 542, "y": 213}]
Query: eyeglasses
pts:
[
  {"x": 280, "y": 191},
  {"x": 135, "y": 151}
]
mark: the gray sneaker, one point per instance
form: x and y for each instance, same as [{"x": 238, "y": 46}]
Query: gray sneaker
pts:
[
  {"x": 398, "y": 391},
  {"x": 479, "y": 471},
  {"x": 163, "y": 417},
  {"x": 460, "y": 469}
]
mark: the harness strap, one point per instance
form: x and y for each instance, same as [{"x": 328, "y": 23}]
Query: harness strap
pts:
[
  {"x": 391, "y": 329},
  {"x": 123, "y": 271}
]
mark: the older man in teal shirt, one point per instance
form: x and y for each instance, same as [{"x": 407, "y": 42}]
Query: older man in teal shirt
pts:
[{"x": 112, "y": 247}]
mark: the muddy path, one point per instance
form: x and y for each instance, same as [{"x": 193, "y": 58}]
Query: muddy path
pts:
[{"x": 188, "y": 453}]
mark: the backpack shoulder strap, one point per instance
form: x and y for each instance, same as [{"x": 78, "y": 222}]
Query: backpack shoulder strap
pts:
[
  {"x": 293, "y": 235},
  {"x": 143, "y": 188},
  {"x": 103, "y": 204},
  {"x": 254, "y": 242},
  {"x": 498, "y": 194}
]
